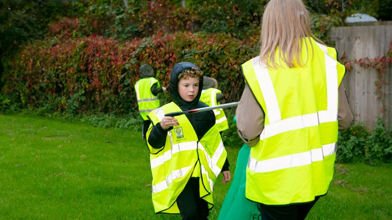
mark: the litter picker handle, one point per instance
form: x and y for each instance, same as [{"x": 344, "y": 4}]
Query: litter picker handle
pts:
[
  {"x": 232, "y": 104},
  {"x": 172, "y": 114}
]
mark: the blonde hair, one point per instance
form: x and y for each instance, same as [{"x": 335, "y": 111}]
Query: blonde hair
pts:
[
  {"x": 285, "y": 24},
  {"x": 192, "y": 72}
]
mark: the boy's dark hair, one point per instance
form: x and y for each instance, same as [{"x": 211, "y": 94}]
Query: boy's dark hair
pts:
[{"x": 191, "y": 72}]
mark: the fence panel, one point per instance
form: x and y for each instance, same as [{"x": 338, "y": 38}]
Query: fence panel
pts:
[{"x": 356, "y": 42}]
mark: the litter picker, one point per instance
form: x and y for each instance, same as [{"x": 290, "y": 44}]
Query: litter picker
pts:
[{"x": 197, "y": 110}]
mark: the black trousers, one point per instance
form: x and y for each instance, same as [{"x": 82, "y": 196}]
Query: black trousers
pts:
[
  {"x": 191, "y": 206},
  {"x": 286, "y": 212},
  {"x": 145, "y": 126}
]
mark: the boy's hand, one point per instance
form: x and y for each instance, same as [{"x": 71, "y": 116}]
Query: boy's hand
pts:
[
  {"x": 164, "y": 89},
  {"x": 226, "y": 176},
  {"x": 168, "y": 122}
]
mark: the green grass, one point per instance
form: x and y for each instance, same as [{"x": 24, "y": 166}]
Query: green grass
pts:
[{"x": 52, "y": 169}]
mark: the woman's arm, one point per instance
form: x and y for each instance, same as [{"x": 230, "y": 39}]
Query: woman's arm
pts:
[{"x": 250, "y": 118}]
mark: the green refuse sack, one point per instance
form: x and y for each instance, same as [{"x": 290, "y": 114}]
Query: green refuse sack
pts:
[{"x": 236, "y": 206}]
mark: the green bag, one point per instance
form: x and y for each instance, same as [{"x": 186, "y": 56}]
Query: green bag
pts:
[{"x": 236, "y": 206}]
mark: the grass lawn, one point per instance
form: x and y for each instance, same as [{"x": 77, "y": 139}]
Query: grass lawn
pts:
[{"x": 52, "y": 169}]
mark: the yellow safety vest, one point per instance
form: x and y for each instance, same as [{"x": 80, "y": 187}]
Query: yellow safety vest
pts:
[
  {"x": 294, "y": 160},
  {"x": 145, "y": 99},
  {"x": 182, "y": 157},
  {"x": 208, "y": 96}
]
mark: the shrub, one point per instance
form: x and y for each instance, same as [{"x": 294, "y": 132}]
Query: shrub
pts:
[
  {"x": 357, "y": 144},
  {"x": 78, "y": 75}
]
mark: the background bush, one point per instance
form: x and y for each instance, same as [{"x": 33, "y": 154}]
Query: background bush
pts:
[
  {"x": 357, "y": 144},
  {"x": 83, "y": 75}
]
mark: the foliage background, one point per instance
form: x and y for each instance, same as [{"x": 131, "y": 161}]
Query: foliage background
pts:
[{"x": 81, "y": 57}]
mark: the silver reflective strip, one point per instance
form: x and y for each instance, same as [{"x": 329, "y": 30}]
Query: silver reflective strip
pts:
[
  {"x": 147, "y": 100},
  {"x": 267, "y": 88},
  {"x": 152, "y": 80},
  {"x": 160, "y": 114},
  {"x": 289, "y": 124},
  {"x": 174, "y": 175},
  {"x": 137, "y": 91},
  {"x": 213, "y": 101},
  {"x": 290, "y": 161},
  {"x": 204, "y": 171},
  {"x": 215, "y": 158},
  {"x": 328, "y": 115},
  {"x": 332, "y": 80},
  {"x": 213, "y": 97},
  {"x": 176, "y": 148},
  {"x": 146, "y": 110},
  {"x": 220, "y": 120}
]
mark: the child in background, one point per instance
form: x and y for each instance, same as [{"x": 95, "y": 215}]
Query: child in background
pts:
[
  {"x": 147, "y": 88},
  {"x": 212, "y": 96},
  {"x": 186, "y": 151}
]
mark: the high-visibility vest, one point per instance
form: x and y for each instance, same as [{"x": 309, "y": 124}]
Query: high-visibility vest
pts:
[
  {"x": 145, "y": 99},
  {"x": 208, "y": 96},
  {"x": 293, "y": 161},
  {"x": 183, "y": 157}
]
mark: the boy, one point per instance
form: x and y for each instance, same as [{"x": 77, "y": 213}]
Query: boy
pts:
[{"x": 187, "y": 153}]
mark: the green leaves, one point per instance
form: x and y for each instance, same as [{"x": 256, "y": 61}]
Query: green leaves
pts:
[{"x": 357, "y": 144}]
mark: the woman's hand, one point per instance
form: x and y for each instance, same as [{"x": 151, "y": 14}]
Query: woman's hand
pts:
[{"x": 168, "y": 122}]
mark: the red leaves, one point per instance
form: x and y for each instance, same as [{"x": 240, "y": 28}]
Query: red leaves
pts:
[
  {"x": 101, "y": 72},
  {"x": 348, "y": 66}
]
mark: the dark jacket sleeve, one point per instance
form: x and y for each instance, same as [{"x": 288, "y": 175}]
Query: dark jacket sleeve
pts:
[
  {"x": 219, "y": 97},
  {"x": 155, "y": 89},
  {"x": 226, "y": 165},
  {"x": 157, "y": 138}
]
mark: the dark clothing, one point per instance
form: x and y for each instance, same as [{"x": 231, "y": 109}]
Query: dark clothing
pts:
[
  {"x": 191, "y": 206},
  {"x": 286, "y": 212},
  {"x": 155, "y": 90},
  {"x": 145, "y": 126}
]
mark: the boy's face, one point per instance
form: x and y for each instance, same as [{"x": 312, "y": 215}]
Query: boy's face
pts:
[{"x": 188, "y": 88}]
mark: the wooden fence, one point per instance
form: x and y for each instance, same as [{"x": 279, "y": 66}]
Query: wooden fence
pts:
[{"x": 371, "y": 40}]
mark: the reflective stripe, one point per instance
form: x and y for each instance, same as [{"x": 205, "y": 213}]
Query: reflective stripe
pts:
[
  {"x": 213, "y": 98},
  {"x": 147, "y": 100},
  {"x": 213, "y": 102},
  {"x": 332, "y": 79},
  {"x": 293, "y": 160},
  {"x": 298, "y": 122},
  {"x": 204, "y": 171},
  {"x": 137, "y": 91},
  {"x": 160, "y": 113},
  {"x": 221, "y": 120},
  {"x": 174, "y": 175},
  {"x": 176, "y": 148},
  {"x": 146, "y": 110},
  {"x": 215, "y": 158},
  {"x": 267, "y": 88}
]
